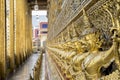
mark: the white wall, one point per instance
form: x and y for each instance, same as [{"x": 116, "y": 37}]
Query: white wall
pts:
[{"x": 43, "y": 38}]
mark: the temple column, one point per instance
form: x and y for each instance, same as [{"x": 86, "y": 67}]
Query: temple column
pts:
[
  {"x": 2, "y": 41},
  {"x": 26, "y": 30},
  {"x": 12, "y": 64},
  {"x": 26, "y": 35},
  {"x": 17, "y": 32},
  {"x": 24, "y": 12},
  {"x": 30, "y": 32},
  {"x": 21, "y": 29}
]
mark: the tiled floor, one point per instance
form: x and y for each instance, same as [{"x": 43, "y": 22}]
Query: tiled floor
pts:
[{"x": 26, "y": 69}]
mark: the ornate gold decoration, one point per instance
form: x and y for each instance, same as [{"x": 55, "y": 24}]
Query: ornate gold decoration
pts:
[{"x": 87, "y": 51}]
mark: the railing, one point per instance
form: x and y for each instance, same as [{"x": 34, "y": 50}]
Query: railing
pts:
[{"x": 37, "y": 69}]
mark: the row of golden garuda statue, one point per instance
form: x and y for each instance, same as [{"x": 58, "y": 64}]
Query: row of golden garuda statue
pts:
[{"x": 82, "y": 57}]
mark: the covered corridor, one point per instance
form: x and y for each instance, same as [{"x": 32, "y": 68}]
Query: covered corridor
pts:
[{"x": 83, "y": 40}]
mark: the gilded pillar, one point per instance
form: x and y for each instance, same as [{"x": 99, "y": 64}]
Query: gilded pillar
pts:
[
  {"x": 12, "y": 64},
  {"x": 24, "y": 12},
  {"x": 21, "y": 29},
  {"x": 17, "y": 32},
  {"x": 2, "y": 40},
  {"x": 30, "y": 32},
  {"x": 27, "y": 31}
]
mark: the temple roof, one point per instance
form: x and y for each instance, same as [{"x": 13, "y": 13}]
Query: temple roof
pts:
[{"x": 42, "y": 4}]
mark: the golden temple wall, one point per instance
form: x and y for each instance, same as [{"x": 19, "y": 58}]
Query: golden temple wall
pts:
[{"x": 81, "y": 27}]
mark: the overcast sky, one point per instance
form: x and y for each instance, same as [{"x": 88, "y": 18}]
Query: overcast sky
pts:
[
  {"x": 38, "y": 16},
  {"x": 42, "y": 12}
]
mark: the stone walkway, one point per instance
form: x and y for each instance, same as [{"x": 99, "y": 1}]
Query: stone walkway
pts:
[{"x": 23, "y": 72}]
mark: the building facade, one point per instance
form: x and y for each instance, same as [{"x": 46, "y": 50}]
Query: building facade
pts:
[
  {"x": 43, "y": 33},
  {"x": 40, "y": 36}
]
